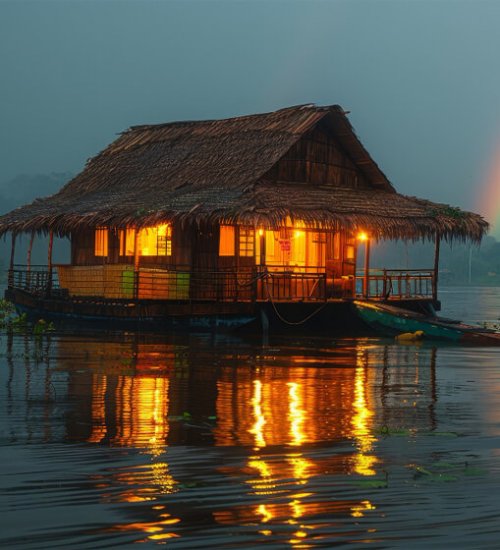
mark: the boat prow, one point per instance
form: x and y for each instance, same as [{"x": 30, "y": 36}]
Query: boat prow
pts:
[{"x": 390, "y": 320}]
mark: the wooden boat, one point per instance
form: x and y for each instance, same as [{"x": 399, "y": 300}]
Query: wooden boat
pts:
[{"x": 393, "y": 321}]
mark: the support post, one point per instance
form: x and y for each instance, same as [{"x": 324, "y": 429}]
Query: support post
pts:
[
  {"x": 262, "y": 246},
  {"x": 10, "y": 278},
  {"x": 49, "y": 263},
  {"x": 436, "y": 268},
  {"x": 28, "y": 261},
  {"x": 367, "y": 268},
  {"x": 136, "y": 264}
]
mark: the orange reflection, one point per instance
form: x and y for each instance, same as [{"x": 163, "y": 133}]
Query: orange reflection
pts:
[
  {"x": 296, "y": 413},
  {"x": 99, "y": 384},
  {"x": 293, "y": 406},
  {"x": 273, "y": 406},
  {"x": 140, "y": 420},
  {"x": 362, "y": 421},
  {"x": 258, "y": 426},
  {"x": 142, "y": 409}
]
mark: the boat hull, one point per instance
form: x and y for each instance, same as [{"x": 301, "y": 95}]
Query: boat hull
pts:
[
  {"x": 390, "y": 320},
  {"x": 131, "y": 315}
]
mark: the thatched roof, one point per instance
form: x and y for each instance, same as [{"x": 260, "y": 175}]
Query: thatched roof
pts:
[{"x": 216, "y": 170}]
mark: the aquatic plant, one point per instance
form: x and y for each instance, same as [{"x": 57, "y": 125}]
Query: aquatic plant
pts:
[{"x": 11, "y": 321}]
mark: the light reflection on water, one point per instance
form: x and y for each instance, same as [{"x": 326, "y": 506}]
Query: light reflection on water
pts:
[{"x": 218, "y": 441}]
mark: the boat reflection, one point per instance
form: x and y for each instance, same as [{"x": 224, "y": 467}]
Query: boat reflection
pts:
[{"x": 273, "y": 404}]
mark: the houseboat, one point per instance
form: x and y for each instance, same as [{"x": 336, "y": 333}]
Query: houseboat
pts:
[{"x": 222, "y": 223}]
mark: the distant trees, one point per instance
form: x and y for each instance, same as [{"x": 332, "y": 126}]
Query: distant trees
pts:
[{"x": 460, "y": 263}]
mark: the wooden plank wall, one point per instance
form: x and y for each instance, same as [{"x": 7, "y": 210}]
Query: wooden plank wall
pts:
[{"x": 317, "y": 158}]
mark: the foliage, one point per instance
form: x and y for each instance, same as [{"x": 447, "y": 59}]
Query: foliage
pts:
[
  {"x": 11, "y": 321},
  {"x": 448, "y": 212}
]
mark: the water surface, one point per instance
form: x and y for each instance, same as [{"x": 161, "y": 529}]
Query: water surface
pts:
[{"x": 215, "y": 441}]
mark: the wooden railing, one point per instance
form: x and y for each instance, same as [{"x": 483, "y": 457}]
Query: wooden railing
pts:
[
  {"x": 401, "y": 284},
  {"x": 121, "y": 282}
]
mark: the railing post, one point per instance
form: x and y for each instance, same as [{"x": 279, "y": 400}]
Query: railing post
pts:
[
  {"x": 366, "y": 282},
  {"x": 436, "y": 269},
  {"x": 28, "y": 262},
  {"x": 136, "y": 264},
  {"x": 255, "y": 282},
  {"x": 10, "y": 278},
  {"x": 49, "y": 263}
]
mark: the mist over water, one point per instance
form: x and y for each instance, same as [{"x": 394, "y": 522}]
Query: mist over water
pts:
[{"x": 219, "y": 441}]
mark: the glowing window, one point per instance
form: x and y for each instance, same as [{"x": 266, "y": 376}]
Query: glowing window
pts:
[
  {"x": 101, "y": 241},
  {"x": 247, "y": 241},
  {"x": 127, "y": 238},
  {"x": 151, "y": 241},
  {"x": 350, "y": 250},
  {"x": 336, "y": 246},
  {"x": 226, "y": 240}
]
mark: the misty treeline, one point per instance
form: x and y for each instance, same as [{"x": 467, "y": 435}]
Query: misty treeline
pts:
[{"x": 460, "y": 263}]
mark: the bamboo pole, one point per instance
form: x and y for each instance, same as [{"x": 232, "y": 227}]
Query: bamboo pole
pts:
[
  {"x": 11, "y": 263},
  {"x": 262, "y": 245},
  {"x": 366, "y": 281},
  {"x": 136, "y": 263},
  {"x": 49, "y": 262},
  {"x": 28, "y": 260},
  {"x": 436, "y": 268}
]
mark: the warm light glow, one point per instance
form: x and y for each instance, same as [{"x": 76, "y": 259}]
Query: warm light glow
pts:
[
  {"x": 263, "y": 511},
  {"x": 226, "y": 240},
  {"x": 258, "y": 427},
  {"x": 362, "y": 236},
  {"x": 358, "y": 510},
  {"x": 101, "y": 241},
  {"x": 294, "y": 248},
  {"x": 246, "y": 245},
  {"x": 261, "y": 232},
  {"x": 361, "y": 424},
  {"x": 296, "y": 414},
  {"x": 151, "y": 241}
]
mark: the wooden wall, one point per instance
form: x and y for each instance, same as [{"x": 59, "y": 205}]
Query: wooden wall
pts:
[{"x": 317, "y": 158}]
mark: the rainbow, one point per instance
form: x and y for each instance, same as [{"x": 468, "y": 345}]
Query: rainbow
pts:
[{"x": 488, "y": 202}]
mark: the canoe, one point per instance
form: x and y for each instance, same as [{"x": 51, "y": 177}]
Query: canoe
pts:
[{"x": 391, "y": 320}]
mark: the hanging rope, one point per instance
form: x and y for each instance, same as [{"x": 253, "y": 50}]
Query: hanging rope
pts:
[
  {"x": 282, "y": 319},
  {"x": 253, "y": 280}
]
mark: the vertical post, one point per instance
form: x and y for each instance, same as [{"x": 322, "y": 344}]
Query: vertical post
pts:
[
  {"x": 11, "y": 264},
  {"x": 262, "y": 282},
  {"x": 367, "y": 268},
  {"x": 28, "y": 261},
  {"x": 262, "y": 243},
  {"x": 136, "y": 263},
  {"x": 436, "y": 268},
  {"x": 470, "y": 263},
  {"x": 49, "y": 262}
]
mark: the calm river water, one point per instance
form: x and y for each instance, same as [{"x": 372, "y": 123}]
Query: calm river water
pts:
[{"x": 196, "y": 441}]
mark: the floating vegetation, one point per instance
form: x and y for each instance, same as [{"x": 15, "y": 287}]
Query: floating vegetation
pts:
[
  {"x": 11, "y": 321},
  {"x": 445, "y": 471},
  {"x": 388, "y": 431},
  {"x": 372, "y": 483}
]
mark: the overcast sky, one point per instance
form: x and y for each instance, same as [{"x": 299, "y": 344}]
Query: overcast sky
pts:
[{"x": 421, "y": 78}]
